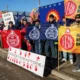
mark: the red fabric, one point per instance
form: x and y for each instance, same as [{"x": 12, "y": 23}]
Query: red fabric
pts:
[
  {"x": 11, "y": 38},
  {"x": 0, "y": 32},
  {"x": 23, "y": 32},
  {"x": 29, "y": 47}
]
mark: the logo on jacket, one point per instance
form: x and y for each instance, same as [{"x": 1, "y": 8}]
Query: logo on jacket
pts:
[
  {"x": 34, "y": 34},
  {"x": 51, "y": 32},
  {"x": 13, "y": 39}
]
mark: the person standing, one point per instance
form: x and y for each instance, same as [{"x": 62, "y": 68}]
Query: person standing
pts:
[
  {"x": 23, "y": 33},
  {"x": 2, "y": 25},
  {"x": 11, "y": 26},
  {"x": 64, "y": 59},
  {"x": 76, "y": 24},
  {"x": 25, "y": 43},
  {"x": 37, "y": 42},
  {"x": 51, "y": 43},
  {"x": 1, "y": 28},
  {"x": 20, "y": 24}
]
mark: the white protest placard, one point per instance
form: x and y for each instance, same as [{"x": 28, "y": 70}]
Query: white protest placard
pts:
[
  {"x": 27, "y": 60},
  {"x": 8, "y": 17}
]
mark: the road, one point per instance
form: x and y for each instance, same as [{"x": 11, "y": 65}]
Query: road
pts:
[{"x": 9, "y": 71}]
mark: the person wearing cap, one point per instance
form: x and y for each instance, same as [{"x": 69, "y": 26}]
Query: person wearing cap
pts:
[
  {"x": 25, "y": 43},
  {"x": 76, "y": 24},
  {"x": 51, "y": 43},
  {"x": 37, "y": 42},
  {"x": 20, "y": 24},
  {"x": 24, "y": 26},
  {"x": 64, "y": 58},
  {"x": 77, "y": 21},
  {"x": 23, "y": 33},
  {"x": 11, "y": 26}
]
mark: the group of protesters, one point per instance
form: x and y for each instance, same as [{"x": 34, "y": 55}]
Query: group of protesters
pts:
[{"x": 49, "y": 47}]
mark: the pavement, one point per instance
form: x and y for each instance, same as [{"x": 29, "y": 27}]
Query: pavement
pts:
[
  {"x": 65, "y": 72},
  {"x": 67, "y": 69},
  {"x": 9, "y": 71}
]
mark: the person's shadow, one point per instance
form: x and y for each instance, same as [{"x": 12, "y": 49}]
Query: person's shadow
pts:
[{"x": 50, "y": 65}]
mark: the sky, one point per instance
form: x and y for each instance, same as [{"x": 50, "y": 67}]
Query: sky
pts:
[{"x": 24, "y": 5}]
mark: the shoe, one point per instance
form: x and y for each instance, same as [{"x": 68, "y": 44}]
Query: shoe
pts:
[
  {"x": 71, "y": 61},
  {"x": 64, "y": 60},
  {"x": 48, "y": 58},
  {"x": 75, "y": 64},
  {"x": 76, "y": 70}
]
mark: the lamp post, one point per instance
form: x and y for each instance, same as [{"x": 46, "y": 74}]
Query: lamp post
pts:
[
  {"x": 7, "y": 7},
  {"x": 38, "y": 4}
]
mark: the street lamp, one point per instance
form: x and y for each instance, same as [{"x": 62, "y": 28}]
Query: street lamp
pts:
[
  {"x": 38, "y": 3},
  {"x": 7, "y": 8}
]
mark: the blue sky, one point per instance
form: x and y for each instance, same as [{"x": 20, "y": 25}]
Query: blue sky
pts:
[{"x": 24, "y": 5}]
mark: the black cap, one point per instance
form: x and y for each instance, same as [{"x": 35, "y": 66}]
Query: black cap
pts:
[
  {"x": 51, "y": 16},
  {"x": 77, "y": 16},
  {"x": 25, "y": 19},
  {"x": 63, "y": 17},
  {"x": 37, "y": 20},
  {"x": 22, "y": 18},
  {"x": 10, "y": 22}
]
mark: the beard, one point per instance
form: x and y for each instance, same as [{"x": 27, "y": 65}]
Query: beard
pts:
[{"x": 78, "y": 22}]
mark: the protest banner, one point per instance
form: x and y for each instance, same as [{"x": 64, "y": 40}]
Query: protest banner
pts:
[
  {"x": 72, "y": 7},
  {"x": 8, "y": 17},
  {"x": 30, "y": 61},
  {"x": 69, "y": 39},
  {"x": 11, "y": 38},
  {"x": 45, "y": 32},
  {"x": 33, "y": 33},
  {"x": 57, "y": 9}
]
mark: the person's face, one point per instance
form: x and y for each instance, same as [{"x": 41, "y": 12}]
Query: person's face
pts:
[
  {"x": 21, "y": 21},
  {"x": 37, "y": 23},
  {"x": 64, "y": 19},
  {"x": 51, "y": 19},
  {"x": 10, "y": 24},
  {"x": 24, "y": 22},
  {"x": 2, "y": 23}
]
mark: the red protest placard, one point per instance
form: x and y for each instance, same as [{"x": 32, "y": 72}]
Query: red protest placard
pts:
[{"x": 11, "y": 38}]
